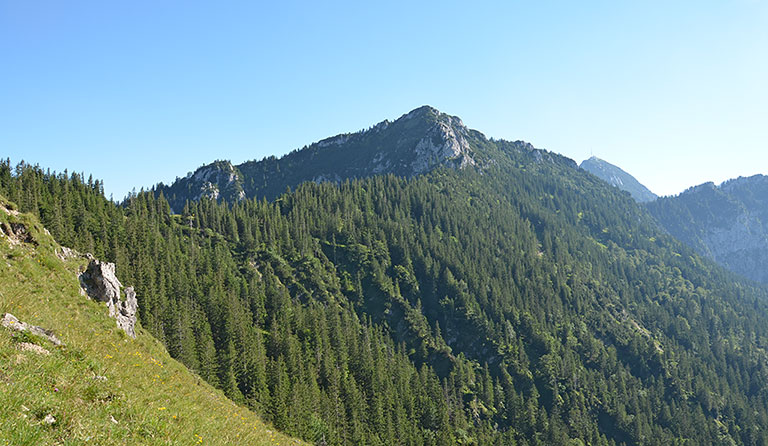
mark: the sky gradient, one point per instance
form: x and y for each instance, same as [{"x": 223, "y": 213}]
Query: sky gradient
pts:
[{"x": 675, "y": 93}]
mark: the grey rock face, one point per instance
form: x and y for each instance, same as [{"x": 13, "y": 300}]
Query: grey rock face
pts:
[
  {"x": 100, "y": 283},
  {"x": 728, "y": 223},
  {"x": 11, "y": 322},
  {"x": 444, "y": 143},
  {"x": 742, "y": 247},
  {"x": 125, "y": 312},
  {"x": 216, "y": 180},
  {"x": 65, "y": 253}
]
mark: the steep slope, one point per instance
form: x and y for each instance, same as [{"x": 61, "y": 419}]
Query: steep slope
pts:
[
  {"x": 100, "y": 386},
  {"x": 416, "y": 143},
  {"x": 728, "y": 223},
  {"x": 619, "y": 178}
]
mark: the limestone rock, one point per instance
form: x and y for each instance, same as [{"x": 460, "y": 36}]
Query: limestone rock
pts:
[
  {"x": 17, "y": 233},
  {"x": 101, "y": 284},
  {"x": 444, "y": 144},
  {"x": 65, "y": 253},
  {"x": 11, "y": 322},
  {"x": 100, "y": 281},
  {"x": 125, "y": 312},
  {"x": 34, "y": 348}
]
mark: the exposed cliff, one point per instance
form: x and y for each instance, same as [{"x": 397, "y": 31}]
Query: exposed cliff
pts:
[{"x": 728, "y": 223}]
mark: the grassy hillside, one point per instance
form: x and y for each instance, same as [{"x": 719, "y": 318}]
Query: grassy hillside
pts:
[{"x": 101, "y": 387}]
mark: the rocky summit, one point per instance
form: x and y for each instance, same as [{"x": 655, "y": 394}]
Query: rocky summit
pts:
[
  {"x": 415, "y": 143},
  {"x": 619, "y": 178}
]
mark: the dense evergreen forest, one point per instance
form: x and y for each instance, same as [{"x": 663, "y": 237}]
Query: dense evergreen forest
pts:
[{"x": 523, "y": 303}]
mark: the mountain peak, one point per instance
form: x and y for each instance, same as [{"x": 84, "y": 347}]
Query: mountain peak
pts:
[
  {"x": 413, "y": 144},
  {"x": 429, "y": 113},
  {"x": 416, "y": 143},
  {"x": 422, "y": 111},
  {"x": 617, "y": 177}
]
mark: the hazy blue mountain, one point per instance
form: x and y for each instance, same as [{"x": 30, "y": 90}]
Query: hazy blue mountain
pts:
[
  {"x": 619, "y": 178},
  {"x": 728, "y": 223}
]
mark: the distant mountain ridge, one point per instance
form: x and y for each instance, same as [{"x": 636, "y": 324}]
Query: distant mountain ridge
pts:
[
  {"x": 619, "y": 178},
  {"x": 728, "y": 223},
  {"x": 416, "y": 143}
]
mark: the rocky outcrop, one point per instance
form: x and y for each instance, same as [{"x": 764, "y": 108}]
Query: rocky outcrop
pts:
[
  {"x": 101, "y": 284},
  {"x": 444, "y": 143},
  {"x": 217, "y": 180},
  {"x": 16, "y": 233},
  {"x": 12, "y": 323},
  {"x": 64, "y": 253}
]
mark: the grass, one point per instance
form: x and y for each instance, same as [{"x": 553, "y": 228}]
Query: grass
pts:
[{"x": 102, "y": 387}]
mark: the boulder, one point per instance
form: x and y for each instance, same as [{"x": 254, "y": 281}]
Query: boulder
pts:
[
  {"x": 101, "y": 284},
  {"x": 11, "y": 322}
]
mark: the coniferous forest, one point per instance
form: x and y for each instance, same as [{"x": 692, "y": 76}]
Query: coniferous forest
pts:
[{"x": 522, "y": 303}]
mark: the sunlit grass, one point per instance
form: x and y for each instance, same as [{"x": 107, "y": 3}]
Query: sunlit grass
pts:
[{"x": 102, "y": 387}]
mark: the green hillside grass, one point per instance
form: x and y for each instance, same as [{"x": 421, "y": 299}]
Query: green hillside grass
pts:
[{"x": 102, "y": 387}]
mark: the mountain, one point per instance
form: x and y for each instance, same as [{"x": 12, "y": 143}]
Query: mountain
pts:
[
  {"x": 619, "y": 178},
  {"x": 518, "y": 300},
  {"x": 416, "y": 143},
  {"x": 728, "y": 223},
  {"x": 74, "y": 377}
]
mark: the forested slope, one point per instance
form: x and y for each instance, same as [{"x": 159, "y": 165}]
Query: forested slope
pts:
[{"x": 525, "y": 302}]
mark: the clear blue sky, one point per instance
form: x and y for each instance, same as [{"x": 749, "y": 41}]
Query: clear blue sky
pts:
[{"x": 139, "y": 92}]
